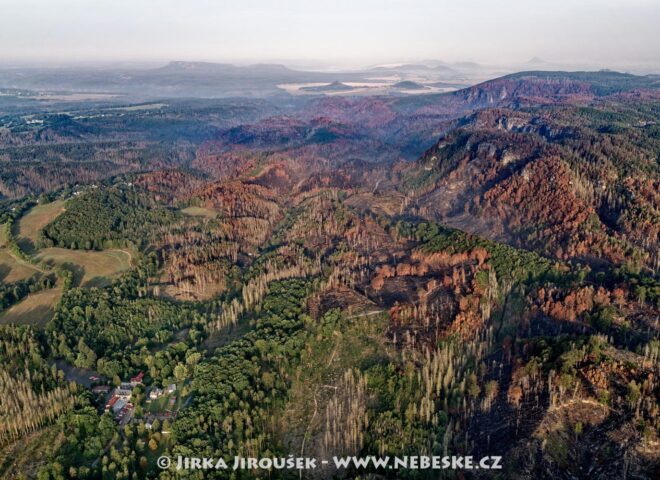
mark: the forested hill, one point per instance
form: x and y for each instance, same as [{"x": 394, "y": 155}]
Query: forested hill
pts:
[{"x": 547, "y": 87}]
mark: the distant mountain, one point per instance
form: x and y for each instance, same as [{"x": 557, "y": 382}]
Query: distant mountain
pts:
[
  {"x": 412, "y": 67},
  {"x": 446, "y": 85},
  {"x": 551, "y": 87},
  {"x": 409, "y": 85},
  {"x": 536, "y": 61},
  {"x": 208, "y": 68},
  {"x": 402, "y": 68},
  {"x": 216, "y": 80},
  {"x": 176, "y": 79},
  {"x": 182, "y": 66},
  {"x": 331, "y": 87}
]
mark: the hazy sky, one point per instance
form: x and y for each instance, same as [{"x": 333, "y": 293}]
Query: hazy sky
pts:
[{"x": 340, "y": 32}]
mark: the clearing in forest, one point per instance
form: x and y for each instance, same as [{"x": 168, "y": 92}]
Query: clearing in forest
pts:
[
  {"x": 13, "y": 269},
  {"x": 199, "y": 212},
  {"x": 90, "y": 268},
  {"x": 36, "y": 309},
  {"x": 30, "y": 224}
]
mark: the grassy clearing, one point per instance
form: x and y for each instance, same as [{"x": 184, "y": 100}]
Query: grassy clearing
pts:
[
  {"x": 162, "y": 404},
  {"x": 34, "y": 221},
  {"x": 13, "y": 269},
  {"x": 388, "y": 205},
  {"x": 90, "y": 268},
  {"x": 36, "y": 309},
  {"x": 199, "y": 212}
]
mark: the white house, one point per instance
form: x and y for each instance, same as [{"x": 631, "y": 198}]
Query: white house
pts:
[{"x": 154, "y": 393}]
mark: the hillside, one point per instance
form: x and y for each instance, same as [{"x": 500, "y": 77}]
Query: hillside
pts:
[{"x": 571, "y": 182}]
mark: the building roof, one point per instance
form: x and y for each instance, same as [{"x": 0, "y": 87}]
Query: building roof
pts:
[{"x": 119, "y": 405}]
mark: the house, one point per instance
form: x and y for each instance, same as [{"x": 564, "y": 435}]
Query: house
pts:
[
  {"x": 123, "y": 393},
  {"x": 125, "y": 415},
  {"x": 154, "y": 393},
  {"x": 118, "y": 405},
  {"x": 137, "y": 379},
  {"x": 171, "y": 388},
  {"x": 111, "y": 403}
]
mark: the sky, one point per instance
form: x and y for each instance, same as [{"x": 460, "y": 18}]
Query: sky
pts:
[{"x": 330, "y": 32}]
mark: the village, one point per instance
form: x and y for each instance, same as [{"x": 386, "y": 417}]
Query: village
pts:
[{"x": 160, "y": 404}]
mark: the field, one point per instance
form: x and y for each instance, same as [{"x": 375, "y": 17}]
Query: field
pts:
[
  {"x": 12, "y": 269},
  {"x": 199, "y": 212},
  {"x": 36, "y": 309},
  {"x": 90, "y": 268},
  {"x": 34, "y": 221}
]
